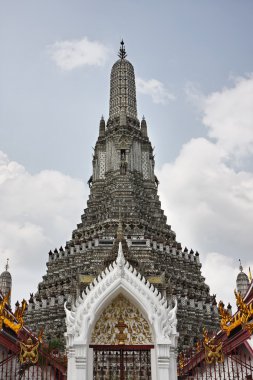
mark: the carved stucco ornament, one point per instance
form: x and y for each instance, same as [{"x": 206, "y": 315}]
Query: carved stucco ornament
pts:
[
  {"x": 121, "y": 313},
  {"x": 121, "y": 279},
  {"x": 120, "y": 275}
]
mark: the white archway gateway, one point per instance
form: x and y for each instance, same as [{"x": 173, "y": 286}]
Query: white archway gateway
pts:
[{"x": 121, "y": 280}]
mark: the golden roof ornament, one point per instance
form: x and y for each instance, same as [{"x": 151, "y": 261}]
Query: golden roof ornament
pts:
[
  {"x": 225, "y": 318},
  {"x": 242, "y": 306},
  {"x": 14, "y": 321}
]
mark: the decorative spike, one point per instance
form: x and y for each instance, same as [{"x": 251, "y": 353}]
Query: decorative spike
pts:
[
  {"x": 240, "y": 267},
  {"x": 110, "y": 268},
  {"x": 144, "y": 131},
  {"x": 102, "y": 127},
  {"x": 122, "y": 51}
]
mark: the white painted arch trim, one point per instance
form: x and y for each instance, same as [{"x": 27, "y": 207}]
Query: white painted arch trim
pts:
[{"x": 122, "y": 278}]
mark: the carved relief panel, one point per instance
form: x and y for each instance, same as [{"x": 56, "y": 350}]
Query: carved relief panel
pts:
[{"x": 121, "y": 323}]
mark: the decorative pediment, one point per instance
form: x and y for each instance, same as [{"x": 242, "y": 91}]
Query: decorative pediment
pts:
[
  {"x": 122, "y": 315},
  {"x": 120, "y": 278}
]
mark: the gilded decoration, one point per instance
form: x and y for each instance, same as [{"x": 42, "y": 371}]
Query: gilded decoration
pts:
[
  {"x": 14, "y": 322},
  {"x": 29, "y": 352},
  {"x": 86, "y": 279},
  {"x": 156, "y": 280},
  {"x": 241, "y": 318},
  {"x": 121, "y": 323},
  {"x": 213, "y": 351},
  {"x": 181, "y": 360}
]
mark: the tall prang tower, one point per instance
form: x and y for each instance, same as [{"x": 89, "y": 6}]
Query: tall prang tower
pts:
[{"x": 123, "y": 205}]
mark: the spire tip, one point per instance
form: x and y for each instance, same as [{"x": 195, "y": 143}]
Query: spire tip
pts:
[{"x": 122, "y": 51}]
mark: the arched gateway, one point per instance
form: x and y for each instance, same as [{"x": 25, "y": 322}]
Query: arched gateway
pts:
[{"x": 121, "y": 328}]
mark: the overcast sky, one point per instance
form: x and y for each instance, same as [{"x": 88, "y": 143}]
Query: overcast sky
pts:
[{"x": 194, "y": 72}]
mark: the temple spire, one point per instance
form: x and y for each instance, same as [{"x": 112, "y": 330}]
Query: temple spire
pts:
[
  {"x": 122, "y": 89},
  {"x": 122, "y": 51}
]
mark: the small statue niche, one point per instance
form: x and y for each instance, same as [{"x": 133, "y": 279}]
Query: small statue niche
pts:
[
  {"x": 123, "y": 168},
  {"x": 123, "y": 163},
  {"x": 123, "y": 154}
]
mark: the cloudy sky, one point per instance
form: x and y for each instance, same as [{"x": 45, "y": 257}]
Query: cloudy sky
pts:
[{"x": 194, "y": 72}]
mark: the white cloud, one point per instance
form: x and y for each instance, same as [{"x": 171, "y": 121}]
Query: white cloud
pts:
[
  {"x": 208, "y": 200},
  {"x": 194, "y": 95},
  {"x": 155, "y": 89},
  {"x": 229, "y": 116},
  {"x": 71, "y": 54},
  {"x": 38, "y": 213},
  {"x": 221, "y": 272}
]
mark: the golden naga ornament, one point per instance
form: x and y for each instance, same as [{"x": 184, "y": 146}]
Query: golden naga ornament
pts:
[
  {"x": 213, "y": 352},
  {"x": 241, "y": 318},
  {"x": 29, "y": 352},
  {"x": 14, "y": 321},
  {"x": 226, "y": 319},
  {"x": 243, "y": 307}
]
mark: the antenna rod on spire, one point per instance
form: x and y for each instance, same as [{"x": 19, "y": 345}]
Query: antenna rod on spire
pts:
[
  {"x": 122, "y": 51},
  {"x": 7, "y": 265}
]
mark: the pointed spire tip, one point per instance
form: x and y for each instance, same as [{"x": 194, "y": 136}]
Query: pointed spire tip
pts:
[{"x": 122, "y": 51}]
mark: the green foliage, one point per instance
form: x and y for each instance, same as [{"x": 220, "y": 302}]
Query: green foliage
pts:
[{"x": 55, "y": 344}]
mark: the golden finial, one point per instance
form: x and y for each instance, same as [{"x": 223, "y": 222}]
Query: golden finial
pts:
[{"x": 121, "y": 326}]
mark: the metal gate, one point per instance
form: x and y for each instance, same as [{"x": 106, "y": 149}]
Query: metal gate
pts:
[
  {"x": 47, "y": 367},
  {"x": 234, "y": 366},
  {"x": 121, "y": 362}
]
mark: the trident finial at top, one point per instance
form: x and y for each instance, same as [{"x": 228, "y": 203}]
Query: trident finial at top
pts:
[
  {"x": 122, "y": 51},
  {"x": 7, "y": 265},
  {"x": 240, "y": 267}
]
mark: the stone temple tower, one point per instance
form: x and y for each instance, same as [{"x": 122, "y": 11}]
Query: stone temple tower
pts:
[
  {"x": 6, "y": 281},
  {"x": 124, "y": 205},
  {"x": 242, "y": 281}
]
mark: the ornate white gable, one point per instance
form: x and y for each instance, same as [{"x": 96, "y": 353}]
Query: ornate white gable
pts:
[{"x": 121, "y": 278}]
